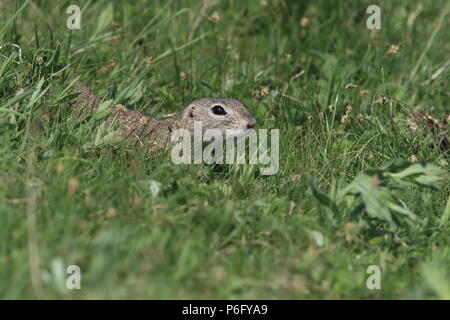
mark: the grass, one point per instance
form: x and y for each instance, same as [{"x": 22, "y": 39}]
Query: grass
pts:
[{"x": 139, "y": 226}]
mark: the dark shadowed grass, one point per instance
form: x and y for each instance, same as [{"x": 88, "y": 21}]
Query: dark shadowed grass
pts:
[{"x": 141, "y": 227}]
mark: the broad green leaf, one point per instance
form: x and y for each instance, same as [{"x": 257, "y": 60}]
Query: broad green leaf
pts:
[
  {"x": 105, "y": 18},
  {"x": 375, "y": 199},
  {"x": 419, "y": 174}
]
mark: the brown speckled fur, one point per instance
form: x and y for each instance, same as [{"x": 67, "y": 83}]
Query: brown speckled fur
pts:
[{"x": 138, "y": 128}]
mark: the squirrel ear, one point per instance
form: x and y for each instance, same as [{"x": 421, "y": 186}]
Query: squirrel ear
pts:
[{"x": 188, "y": 113}]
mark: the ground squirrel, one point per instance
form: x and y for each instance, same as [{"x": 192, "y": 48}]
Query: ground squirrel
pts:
[{"x": 140, "y": 129}]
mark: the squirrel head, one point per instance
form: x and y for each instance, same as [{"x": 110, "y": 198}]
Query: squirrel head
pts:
[{"x": 219, "y": 113}]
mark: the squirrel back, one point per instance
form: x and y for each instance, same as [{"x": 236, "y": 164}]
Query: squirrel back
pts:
[{"x": 214, "y": 113}]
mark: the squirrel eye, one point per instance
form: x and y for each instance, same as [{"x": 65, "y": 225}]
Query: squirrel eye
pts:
[{"x": 218, "y": 110}]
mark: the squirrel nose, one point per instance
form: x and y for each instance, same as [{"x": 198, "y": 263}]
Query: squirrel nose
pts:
[{"x": 251, "y": 123}]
